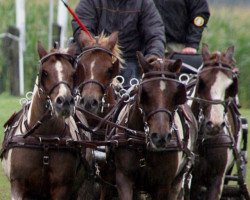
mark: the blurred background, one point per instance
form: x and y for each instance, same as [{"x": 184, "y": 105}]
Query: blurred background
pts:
[{"x": 24, "y": 23}]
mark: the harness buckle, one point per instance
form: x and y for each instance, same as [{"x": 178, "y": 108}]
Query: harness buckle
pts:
[
  {"x": 97, "y": 170},
  {"x": 46, "y": 160},
  {"x": 142, "y": 162}
]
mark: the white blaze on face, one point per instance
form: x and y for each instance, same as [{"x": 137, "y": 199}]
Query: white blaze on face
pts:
[
  {"x": 62, "y": 87},
  {"x": 217, "y": 92},
  {"x": 92, "y": 69},
  {"x": 162, "y": 85}
]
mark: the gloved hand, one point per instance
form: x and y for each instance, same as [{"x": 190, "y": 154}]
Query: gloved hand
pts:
[{"x": 151, "y": 58}]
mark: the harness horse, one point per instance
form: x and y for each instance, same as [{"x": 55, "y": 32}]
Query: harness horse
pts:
[
  {"x": 98, "y": 64},
  {"x": 39, "y": 155},
  {"x": 219, "y": 137},
  {"x": 158, "y": 154}
]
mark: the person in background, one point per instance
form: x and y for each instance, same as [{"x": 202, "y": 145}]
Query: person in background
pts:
[
  {"x": 139, "y": 25},
  {"x": 184, "y": 22}
]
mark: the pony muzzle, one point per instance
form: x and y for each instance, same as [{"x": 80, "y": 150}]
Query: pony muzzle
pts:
[
  {"x": 159, "y": 140},
  {"x": 64, "y": 106}
]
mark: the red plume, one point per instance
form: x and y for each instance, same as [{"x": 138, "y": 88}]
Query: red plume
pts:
[{"x": 83, "y": 27}]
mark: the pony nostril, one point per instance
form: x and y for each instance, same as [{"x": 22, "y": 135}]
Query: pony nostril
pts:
[
  {"x": 82, "y": 101},
  {"x": 94, "y": 103},
  {"x": 71, "y": 101},
  {"x": 223, "y": 124},
  {"x": 154, "y": 136},
  {"x": 168, "y": 137},
  {"x": 209, "y": 125},
  {"x": 60, "y": 100}
]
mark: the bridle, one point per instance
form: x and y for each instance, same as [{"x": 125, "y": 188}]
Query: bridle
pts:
[
  {"x": 90, "y": 81},
  {"x": 202, "y": 101},
  {"x": 158, "y": 76},
  {"x": 42, "y": 61}
]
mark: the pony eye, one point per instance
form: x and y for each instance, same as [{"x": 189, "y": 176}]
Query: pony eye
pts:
[
  {"x": 110, "y": 72},
  {"x": 45, "y": 73}
]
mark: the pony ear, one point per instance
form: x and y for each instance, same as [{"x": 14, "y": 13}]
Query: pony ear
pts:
[
  {"x": 205, "y": 52},
  {"x": 112, "y": 41},
  {"x": 72, "y": 49},
  {"x": 176, "y": 66},
  {"x": 116, "y": 68},
  {"x": 84, "y": 40},
  {"x": 41, "y": 51},
  {"x": 143, "y": 64},
  {"x": 229, "y": 53}
]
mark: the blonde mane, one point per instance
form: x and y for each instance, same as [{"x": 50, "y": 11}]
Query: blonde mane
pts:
[{"x": 103, "y": 39}]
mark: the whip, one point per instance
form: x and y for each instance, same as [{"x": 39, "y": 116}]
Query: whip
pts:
[{"x": 83, "y": 27}]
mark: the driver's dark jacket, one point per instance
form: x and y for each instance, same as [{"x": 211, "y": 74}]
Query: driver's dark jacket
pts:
[
  {"x": 178, "y": 18},
  {"x": 138, "y": 22}
]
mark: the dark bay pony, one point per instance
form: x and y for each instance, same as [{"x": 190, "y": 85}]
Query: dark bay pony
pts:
[
  {"x": 160, "y": 154},
  {"x": 37, "y": 156},
  {"x": 98, "y": 64},
  {"x": 219, "y": 123}
]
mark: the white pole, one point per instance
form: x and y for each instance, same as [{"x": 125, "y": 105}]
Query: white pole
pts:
[
  {"x": 20, "y": 24},
  {"x": 51, "y": 18},
  {"x": 62, "y": 17}
]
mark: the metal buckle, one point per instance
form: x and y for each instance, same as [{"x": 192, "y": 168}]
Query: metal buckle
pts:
[
  {"x": 45, "y": 160},
  {"x": 142, "y": 162},
  {"x": 97, "y": 170}
]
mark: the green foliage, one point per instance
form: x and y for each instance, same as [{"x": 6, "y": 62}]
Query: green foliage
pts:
[{"x": 8, "y": 105}]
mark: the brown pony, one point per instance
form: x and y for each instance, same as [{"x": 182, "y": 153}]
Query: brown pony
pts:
[
  {"x": 38, "y": 156},
  {"x": 98, "y": 64},
  {"x": 158, "y": 157},
  {"x": 219, "y": 124}
]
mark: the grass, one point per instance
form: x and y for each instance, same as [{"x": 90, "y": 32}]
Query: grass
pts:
[{"x": 8, "y": 104}]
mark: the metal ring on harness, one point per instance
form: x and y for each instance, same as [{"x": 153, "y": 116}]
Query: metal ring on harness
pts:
[{"x": 184, "y": 78}]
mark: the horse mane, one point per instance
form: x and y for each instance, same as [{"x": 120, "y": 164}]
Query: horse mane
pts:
[{"x": 102, "y": 39}]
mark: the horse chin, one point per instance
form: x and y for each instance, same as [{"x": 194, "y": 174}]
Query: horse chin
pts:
[
  {"x": 153, "y": 148},
  {"x": 65, "y": 113}
]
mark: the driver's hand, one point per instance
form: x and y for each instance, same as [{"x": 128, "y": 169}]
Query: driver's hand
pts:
[{"x": 189, "y": 50}]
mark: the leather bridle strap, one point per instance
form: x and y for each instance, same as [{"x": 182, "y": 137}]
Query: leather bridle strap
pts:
[{"x": 92, "y": 81}]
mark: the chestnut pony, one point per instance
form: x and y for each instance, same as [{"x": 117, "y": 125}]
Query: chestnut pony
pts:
[
  {"x": 38, "y": 155},
  {"x": 98, "y": 64},
  {"x": 219, "y": 124},
  {"x": 158, "y": 160}
]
